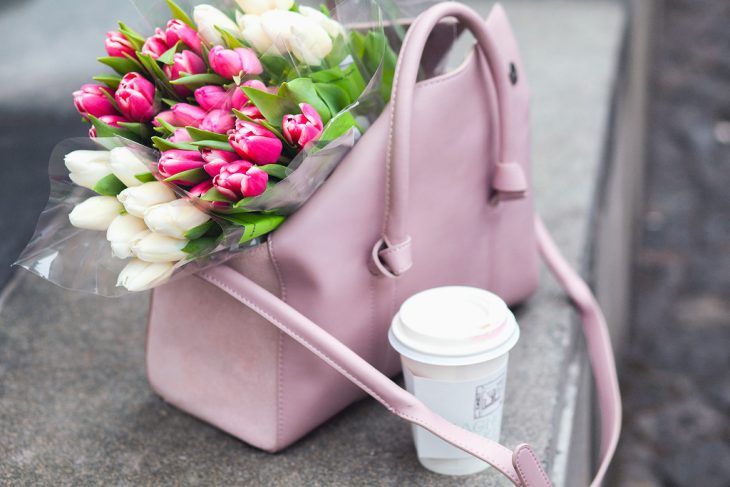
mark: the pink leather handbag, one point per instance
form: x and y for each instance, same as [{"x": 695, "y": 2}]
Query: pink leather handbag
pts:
[{"x": 333, "y": 275}]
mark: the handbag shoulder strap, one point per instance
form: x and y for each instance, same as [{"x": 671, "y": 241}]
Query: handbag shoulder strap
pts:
[{"x": 520, "y": 466}]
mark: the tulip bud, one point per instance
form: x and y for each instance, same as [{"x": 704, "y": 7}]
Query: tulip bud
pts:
[
  {"x": 156, "y": 45},
  {"x": 138, "y": 198},
  {"x": 166, "y": 115},
  {"x": 239, "y": 98},
  {"x": 154, "y": 247},
  {"x": 302, "y": 129},
  {"x": 87, "y": 167},
  {"x": 240, "y": 179},
  {"x": 252, "y": 30},
  {"x": 117, "y": 45},
  {"x": 201, "y": 188},
  {"x": 175, "y": 161},
  {"x": 253, "y": 112},
  {"x": 94, "y": 100},
  {"x": 212, "y": 97},
  {"x": 139, "y": 275},
  {"x": 215, "y": 159},
  {"x": 180, "y": 135},
  {"x": 257, "y": 7},
  {"x": 332, "y": 27},
  {"x": 110, "y": 120},
  {"x": 123, "y": 231},
  {"x": 295, "y": 33},
  {"x": 136, "y": 97},
  {"x": 184, "y": 62},
  {"x": 174, "y": 219},
  {"x": 255, "y": 143},
  {"x": 96, "y": 213},
  {"x": 128, "y": 167},
  {"x": 218, "y": 121},
  {"x": 187, "y": 115},
  {"x": 234, "y": 62},
  {"x": 177, "y": 30},
  {"x": 207, "y": 18}
]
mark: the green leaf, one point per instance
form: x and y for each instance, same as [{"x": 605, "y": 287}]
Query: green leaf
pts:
[
  {"x": 334, "y": 96},
  {"x": 276, "y": 67},
  {"x": 302, "y": 90},
  {"x": 200, "y": 245},
  {"x": 338, "y": 53},
  {"x": 199, "y": 231},
  {"x": 120, "y": 64},
  {"x": 214, "y": 195},
  {"x": 135, "y": 38},
  {"x": 180, "y": 14},
  {"x": 104, "y": 130},
  {"x": 109, "y": 185},
  {"x": 337, "y": 127},
  {"x": 167, "y": 56},
  {"x": 200, "y": 79},
  {"x": 276, "y": 170},
  {"x": 272, "y": 107},
  {"x": 145, "y": 177},
  {"x": 265, "y": 125},
  {"x": 165, "y": 125},
  {"x": 169, "y": 102},
  {"x": 155, "y": 71},
  {"x": 192, "y": 176},
  {"x": 255, "y": 224},
  {"x": 203, "y": 135},
  {"x": 323, "y": 8},
  {"x": 164, "y": 144},
  {"x": 213, "y": 144},
  {"x": 139, "y": 129},
  {"x": 111, "y": 80},
  {"x": 230, "y": 40}
]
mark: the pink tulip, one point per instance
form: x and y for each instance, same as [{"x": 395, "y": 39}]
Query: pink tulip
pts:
[
  {"x": 177, "y": 30},
  {"x": 135, "y": 98},
  {"x": 117, "y": 45},
  {"x": 303, "y": 128},
  {"x": 212, "y": 97},
  {"x": 184, "y": 62},
  {"x": 215, "y": 159},
  {"x": 239, "y": 98},
  {"x": 234, "y": 62},
  {"x": 201, "y": 188},
  {"x": 187, "y": 115},
  {"x": 111, "y": 120},
  {"x": 252, "y": 111},
  {"x": 156, "y": 45},
  {"x": 240, "y": 179},
  {"x": 218, "y": 121},
  {"x": 91, "y": 100},
  {"x": 180, "y": 135},
  {"x": 176, "y": 161},
  {"x": 167, "y": 115},
  {"x": 255, "y": 143}
]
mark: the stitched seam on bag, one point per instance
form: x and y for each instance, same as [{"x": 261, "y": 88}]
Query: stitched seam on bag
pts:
[
  {"x": 537, "y": 462},
  {"x": 279, "y": 351},
  {"x": 302, "y": 340},
  {"x": 414, "y": 419}
]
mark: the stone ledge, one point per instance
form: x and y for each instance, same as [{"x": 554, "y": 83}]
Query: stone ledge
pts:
[{"x": 75, "y": 404}]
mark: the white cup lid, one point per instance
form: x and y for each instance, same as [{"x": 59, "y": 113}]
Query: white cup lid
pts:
[{"x": 454, "y": 325}]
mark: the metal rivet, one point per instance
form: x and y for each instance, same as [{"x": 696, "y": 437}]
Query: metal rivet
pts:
[{"x": 513, "y": 73}]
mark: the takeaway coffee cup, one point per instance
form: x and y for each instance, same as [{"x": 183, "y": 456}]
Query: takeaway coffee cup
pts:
[{"x": 454, "y": 343}]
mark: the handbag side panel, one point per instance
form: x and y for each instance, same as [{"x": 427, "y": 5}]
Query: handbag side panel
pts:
[{"x": 214, "y": 358}]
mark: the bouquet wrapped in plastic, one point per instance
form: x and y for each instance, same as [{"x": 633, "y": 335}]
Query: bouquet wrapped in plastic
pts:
[{"x": 206, "y": 135}]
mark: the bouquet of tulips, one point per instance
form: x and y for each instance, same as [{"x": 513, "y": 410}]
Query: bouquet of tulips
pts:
[{"x": 205, "y": 136}]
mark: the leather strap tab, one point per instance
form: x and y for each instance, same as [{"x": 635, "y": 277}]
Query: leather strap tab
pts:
[
  {"x": 397, "y": 258},
  {"x": 509, "y": 180},
  {"x": 528, "y": 467}
]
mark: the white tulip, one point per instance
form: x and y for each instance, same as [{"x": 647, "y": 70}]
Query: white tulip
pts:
[
  {"x": 175, "y": 218},
  {"x": 207, "y": 17},
  {"x": 257, "y": 7},
  {"x": 295, "y": 33},
  {"x": 139, "y": 275},
  {"x": 253, "y": 32},
  {"x": 124, "y": 231},
  {"x": 96, "y": 213},
  {"x": 87, "y": 167},
  {"x": 138, "y": 198},
  {"x": 126, "y": 165},
  {"x": 333, "y": 28},
  {"x": 154, "y": 247}
]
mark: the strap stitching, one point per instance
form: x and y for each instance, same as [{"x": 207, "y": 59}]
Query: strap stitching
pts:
[
  {"x": 279, "y": 352},
  {"x": 518, "y": 465},
  {"x": 342, "y": 370}
]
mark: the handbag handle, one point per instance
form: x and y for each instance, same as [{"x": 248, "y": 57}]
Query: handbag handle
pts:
[
  {"x": 520, "y": 466},
  {"x": 392, "y": 254}
]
